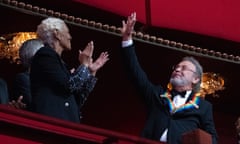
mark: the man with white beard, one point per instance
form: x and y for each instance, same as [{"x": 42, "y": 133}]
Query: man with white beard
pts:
[{"x": 175, "y": 110}]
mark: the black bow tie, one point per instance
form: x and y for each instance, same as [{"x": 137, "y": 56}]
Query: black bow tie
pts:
[{"x": 174, "y": 93}]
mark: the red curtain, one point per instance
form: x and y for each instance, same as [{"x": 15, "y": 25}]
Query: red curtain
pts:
[{"x": 215, "y": 18}]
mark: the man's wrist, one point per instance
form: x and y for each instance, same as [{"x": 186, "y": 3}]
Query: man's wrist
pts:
[{"x": 126, "y": 43}]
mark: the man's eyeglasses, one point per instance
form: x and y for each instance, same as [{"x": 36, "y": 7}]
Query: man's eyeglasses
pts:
[{"x": 182, "y": 68}]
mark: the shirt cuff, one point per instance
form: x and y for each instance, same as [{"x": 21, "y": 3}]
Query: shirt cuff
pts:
[{"x": 127, "y": 43}]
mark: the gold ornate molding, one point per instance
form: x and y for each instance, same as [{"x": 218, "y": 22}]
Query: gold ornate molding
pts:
[
  {"x": 211, "y": 82},
  {"x": 10, "y": 44}
]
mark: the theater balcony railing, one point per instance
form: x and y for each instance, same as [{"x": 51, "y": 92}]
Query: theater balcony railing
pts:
[{"x": 24, "y": 127}]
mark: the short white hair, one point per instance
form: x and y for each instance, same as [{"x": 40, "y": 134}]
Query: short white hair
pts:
[{"x": 46, "y": 28}]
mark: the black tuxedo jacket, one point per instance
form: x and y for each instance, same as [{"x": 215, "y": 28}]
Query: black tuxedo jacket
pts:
[
  {"x": 22, "y": 88},
  {"x": 159, "y": 118},
  {"x": 56, "y": 92}
]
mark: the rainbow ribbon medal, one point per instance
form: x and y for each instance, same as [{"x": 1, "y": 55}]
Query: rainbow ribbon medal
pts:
[{"x": 193, "y": 103}]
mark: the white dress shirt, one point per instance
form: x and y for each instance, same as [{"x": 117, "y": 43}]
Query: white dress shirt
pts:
[{"x": 177, "y": 101}]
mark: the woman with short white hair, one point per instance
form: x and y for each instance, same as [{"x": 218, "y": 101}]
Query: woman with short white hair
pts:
[{"x": 56, "y": 91}]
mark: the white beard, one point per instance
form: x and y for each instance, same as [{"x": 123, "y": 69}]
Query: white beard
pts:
[{"x": 178, "y": 82}]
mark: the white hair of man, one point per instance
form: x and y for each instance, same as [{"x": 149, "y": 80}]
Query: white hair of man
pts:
[
  {"x": 199, "y": 71},
  {"x": 46, "y": 28}
]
